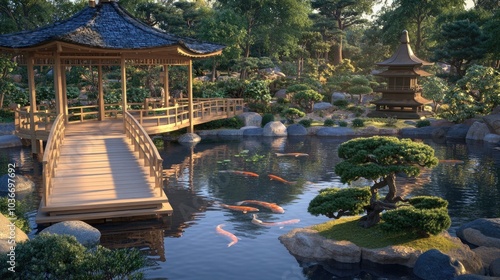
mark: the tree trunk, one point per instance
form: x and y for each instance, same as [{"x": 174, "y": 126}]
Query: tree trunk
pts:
[
  {"x": 337, "y": 56},
  {"x": 391, "y": 183}
]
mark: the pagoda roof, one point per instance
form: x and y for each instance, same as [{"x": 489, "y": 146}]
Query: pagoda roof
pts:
[
  {"x": 404, "y": 55},
  {"x": 105, "y": 26},
  {"x": 403, "y": 73}
]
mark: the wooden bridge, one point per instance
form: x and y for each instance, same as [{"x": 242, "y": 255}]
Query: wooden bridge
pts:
[{"x": 102, "y": 170}]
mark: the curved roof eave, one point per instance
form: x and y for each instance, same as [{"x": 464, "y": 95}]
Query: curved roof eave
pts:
[
  {"x": 105, "y": 27},
  {"x": 404, "y": 55}
]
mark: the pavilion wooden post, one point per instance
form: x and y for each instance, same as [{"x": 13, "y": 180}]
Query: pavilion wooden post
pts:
[
  {"x": 190, "y": 96},
  {"x": 32, "y": 97},
  {"x": 166, "y": 93},
  {"x": 124, "y": 88},
  {"x": 65, "y": 93},
  {"x": 101, "y": 93},
  {"x": 58, "y": 82}
]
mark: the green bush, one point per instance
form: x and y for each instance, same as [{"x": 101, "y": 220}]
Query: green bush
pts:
[
  {"x": 267, "y": 118},
  {"x": 293, "y": 113},
  {"x": 342, "y": 103},
  {"x": 233, "y": 122},
  {"x": 348, "y": 201},
  {"x": 51, "y": 256},
  {"x": 297, "y": 88},
  {"x": 358, "y": 123},
  {"x": 423, "y": 222},
  {"x": 21, "y": 208},
  {"x": 329, "y": 122},
  {"x": 305, "y": 123},
  {"x": 342, "y": 123},
  {"x": 428, "y": 202},
  {"x": 306, "y": 99},
  {"x": 422, "y": 123}
]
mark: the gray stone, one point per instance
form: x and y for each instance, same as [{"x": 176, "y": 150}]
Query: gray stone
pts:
[
  {"x": 475, "y": 277},
  {"x": 307, "y": 243},
  {"x": 250, "y": 118},
  {"x": 489, "y": 230},
  {"x": 321, "y": 106},
  {"x": 434, "y": 265},
  {"x": 477, "y": 131},
  {"x": 493, "y": 122},
  {"x": 487, "y": 255},
  {"x": 492, "y": 138},
  {"x": 336, "y": 131},
  {"x": 280, "y": 93},
  {"x": 495, "y": 268},
  {"x": 22, "y": 184},
  {"x": 400, "y": 255},
  {"x": 296, "y": 130},
  {"x": 338, "y": 96},
  {"x": 419, "y": 132},
  {"x": 9, "y": 141},
  {"x": 189, "y": 138},
  {"x": 8, "y": 232},
  {"x": 229, "y": 132},
  {"x": 84, "y": 233},
  {"x": 258, "y": 131},
  {"x": 274, "y": 128},
  {"x": 369, "y": 130},
  {"x": 458, "y": 131}
]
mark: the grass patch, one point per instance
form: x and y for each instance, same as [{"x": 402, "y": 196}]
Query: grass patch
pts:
[
  {"x": 383, "y": 123},
  {"x": 347, "y": 228}
]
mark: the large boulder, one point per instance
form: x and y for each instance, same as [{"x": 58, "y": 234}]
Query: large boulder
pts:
[
  {"x": 419, "y": 132},
  {"x": 322, "y": 106},
  {"x": 434, "y": 265},
  {"x": 280, "y": 93},
  {"x": 274, "y": 128},
  {"x": 487, "y": 255},
  {"x": 22, "y": 184},
  {"x": 229, "y": 132},
  {"x": 458, "y": 132},
  {"x": 307, "y": 243},
  {"x": 9, "y": 141},
  {"x": 400, "y": 255},
  {"x": 492, "y": 138},
  {"x": 84, "y": 233},
  {"x": 477, "y": 131},
  {"x": 481, "y": 232},
  {"x": 296, "y": 130},
  {"x": 9, "y": 233},
  {"x": 493, "y": 122},
  {"x": 254, "y": 131},
  {"x": 338, "y": 96},
  {"x": 189, "y": 138},
  {"x": 336, "y": 131},
  {"x": 495, "y": 268},
  {"x": 250, "y": 118}
]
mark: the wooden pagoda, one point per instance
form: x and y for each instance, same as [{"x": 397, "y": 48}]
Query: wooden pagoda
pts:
[{"x": 402, "y": 97}]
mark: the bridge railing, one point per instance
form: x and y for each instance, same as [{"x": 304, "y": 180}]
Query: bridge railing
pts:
[
  {"x": 51, "y": 154},
  {"x": 147, "y": 150}
]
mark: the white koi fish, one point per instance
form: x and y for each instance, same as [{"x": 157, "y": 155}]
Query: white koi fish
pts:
[
  {"x": 227, "y": 234},
  {"x": 271, "y": 224}
]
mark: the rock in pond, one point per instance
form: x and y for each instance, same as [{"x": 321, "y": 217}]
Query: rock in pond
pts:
[
  {"x": 84, "y": 233},
  {"x": 434, "y": 265}
]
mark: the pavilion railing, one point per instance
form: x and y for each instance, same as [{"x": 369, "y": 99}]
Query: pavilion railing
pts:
[
  {"x": 147, "y": 150},
  {"x": 51, "y": 154}
]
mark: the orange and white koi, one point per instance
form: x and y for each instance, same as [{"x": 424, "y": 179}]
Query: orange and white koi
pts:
[
  {"x": 292, "y": 155},
  {"x": 271, "y": 224},
  {"x": 243, "y": 209},
  {"x": 238, "y": 172},
  {"x": 279, "y": 179},
  {"x": 451, "y": 161},
  {"x": 273, "y": 206},
  {"x": 227, "y": 234}
]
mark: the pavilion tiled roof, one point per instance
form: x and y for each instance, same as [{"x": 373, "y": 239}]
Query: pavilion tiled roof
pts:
[
  {"x": 106, "y": 26},
  {"x": 404, "y": 55}
]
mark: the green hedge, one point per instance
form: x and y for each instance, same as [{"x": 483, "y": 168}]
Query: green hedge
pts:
[{"x": 351, "y": 201}]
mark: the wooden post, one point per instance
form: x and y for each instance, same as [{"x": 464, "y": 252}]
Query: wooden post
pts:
[
  {"x": 58, "y": 82},
  {"x": 190, "y": 96},
  {"x": 166, "y": 94},
  {"x": 101, "y": 93},
  {"x": 65, "y": 93},
  {"x": 32, "y": 97},
  {"x": 124, "y": 87}
]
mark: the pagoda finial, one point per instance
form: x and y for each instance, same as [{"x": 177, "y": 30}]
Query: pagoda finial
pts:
[{"x": 405, "y": 39}]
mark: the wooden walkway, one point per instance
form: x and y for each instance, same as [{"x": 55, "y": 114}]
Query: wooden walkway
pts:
[{"x": 99, "y": 176}]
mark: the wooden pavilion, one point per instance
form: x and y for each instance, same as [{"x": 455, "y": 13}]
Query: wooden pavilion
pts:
[
  {"x": 100, "y": 35},
  {"x": 402, "y": 98}
]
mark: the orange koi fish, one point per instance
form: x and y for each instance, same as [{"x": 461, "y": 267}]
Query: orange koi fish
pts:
[
  {"x": 271, "y": 224},
  {"x": 243, "y": 209},
  {"x": 292, "y": 155},
  {"x": 279, "y": 179},
  {"x": 451, "y": 161},
  {"x": 227, "y": 234},
  {"x": 273, "y": 206},
  {"x": 243, "y": 173}
]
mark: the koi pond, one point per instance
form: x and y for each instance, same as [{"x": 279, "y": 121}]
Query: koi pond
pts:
[{"x": 207, "y": 238}]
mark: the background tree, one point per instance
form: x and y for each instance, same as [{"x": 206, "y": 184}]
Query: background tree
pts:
[
  {"x": 380, "y": 159},
  {"x": 434, "y": 88},
  {"x": 335, "y": 16}
]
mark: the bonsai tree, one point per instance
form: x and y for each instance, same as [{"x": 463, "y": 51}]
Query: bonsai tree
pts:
[{"x": 379, "y": 159}]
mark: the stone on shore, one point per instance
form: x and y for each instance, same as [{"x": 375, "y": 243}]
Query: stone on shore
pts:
[
  {"x": 84, "y": 233},
  {"x": 493, "y": 122},
  {"x": 250, "y": 119},
  {"x": 336, "y": 131},
  {"x": 274, "y": 128},
  {"x": 457, "y": 132},
  {"x": 477, "y": 131},
  {"x": 22, "y": 184},
  {"x": 9, "y": 141},
  {"x": 434, "y": 265},
  {"x": 400, "y": 255},
  {"x": 481, "y": 232},
  {"x": 8, "y": 233},
  {"x": 189, "y": 138},
  {"x": 296, "y": 130}
]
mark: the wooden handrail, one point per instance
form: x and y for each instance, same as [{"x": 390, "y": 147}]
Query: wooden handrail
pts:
[
  {"x": 51, "y": 154},
  {"x": 147, "y": 150}
]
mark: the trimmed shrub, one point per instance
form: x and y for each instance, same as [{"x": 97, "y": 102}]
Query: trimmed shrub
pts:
[
  {"x": 266, "y": 118},
  {"x": 348, "y": 201},
  {"x": 293, "y": 113},
  {"x": 358, "y": 123},
  {"x": 423, "y": 222},
  {"x": 305, "y": 123},
  {"x": 329, "y": 122},
  {"x": 342, "y": 123},
  {"x": 423, "y": 123},
  {"x": 428, "y": 202},
  {"x": 342, "y": 103}
]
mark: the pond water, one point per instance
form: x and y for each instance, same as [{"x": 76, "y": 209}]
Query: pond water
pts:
[{"x": 199, "y": 180}]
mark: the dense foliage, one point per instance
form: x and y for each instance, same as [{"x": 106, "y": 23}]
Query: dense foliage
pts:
[{"x": 335, "y": 202}]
